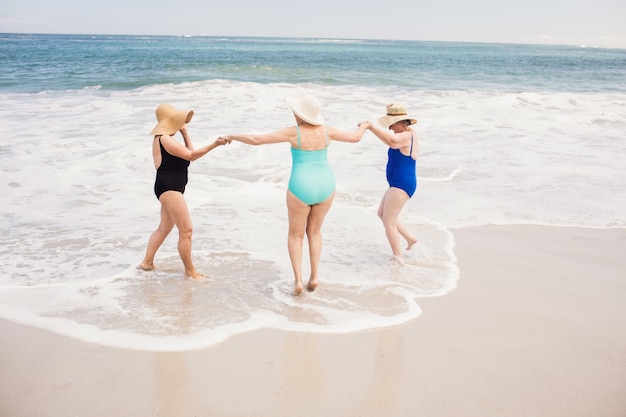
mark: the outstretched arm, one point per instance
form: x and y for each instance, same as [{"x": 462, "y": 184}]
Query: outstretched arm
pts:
[
  {"x": 183, "y": 151},
  {"x": 344, "y": 136},
  {"x": 278, "y": 136},
  {"x": 389, "y": 138}
]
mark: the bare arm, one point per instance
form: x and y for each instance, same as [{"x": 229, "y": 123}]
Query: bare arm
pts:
[
  {"x": 344, "y": 136},
  {"x": 186, "y": 137},
  {"x": 182, "y": 151},
  {"x": 277, "y": 136},
  {"x": 389, "y": 138}
]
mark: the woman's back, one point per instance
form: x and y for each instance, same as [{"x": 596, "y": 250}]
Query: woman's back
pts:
[{"x": 311, "y": 180}]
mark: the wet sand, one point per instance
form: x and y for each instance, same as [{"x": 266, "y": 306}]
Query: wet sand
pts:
[{"x": 536, "y": 327}]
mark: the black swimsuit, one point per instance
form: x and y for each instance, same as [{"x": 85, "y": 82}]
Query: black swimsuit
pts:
[{"x": 171, "y": 174}]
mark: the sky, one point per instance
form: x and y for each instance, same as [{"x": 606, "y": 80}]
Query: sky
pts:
[{"x": 569, "y": 22}]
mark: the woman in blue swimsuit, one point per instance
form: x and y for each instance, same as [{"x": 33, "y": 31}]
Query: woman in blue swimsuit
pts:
[
  {"x": 396, "y": 132},
  {"x": 171, "y": 160},
  {"x": 311, "y": 183}
]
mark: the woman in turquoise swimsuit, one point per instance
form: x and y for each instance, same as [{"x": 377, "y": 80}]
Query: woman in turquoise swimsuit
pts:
[
  {"x": 396, "y": 132},
  {"x": 312, "y": 182}
]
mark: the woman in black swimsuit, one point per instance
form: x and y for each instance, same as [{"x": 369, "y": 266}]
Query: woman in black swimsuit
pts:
[{"x": 171, "y": 160}]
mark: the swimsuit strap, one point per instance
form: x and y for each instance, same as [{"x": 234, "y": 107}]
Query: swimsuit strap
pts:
[
  {"x": 328, "y": 140},
  {"x": 298, "y": 130}
]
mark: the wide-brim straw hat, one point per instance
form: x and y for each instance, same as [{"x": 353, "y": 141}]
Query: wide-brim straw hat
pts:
[
  {"x": 395, "y": 113},
  {"x": 307, "y": 107},
  {"x": 170, "y": 119}
]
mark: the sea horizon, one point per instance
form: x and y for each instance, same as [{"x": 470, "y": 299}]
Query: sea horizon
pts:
[{"x": 190, "y": 35}]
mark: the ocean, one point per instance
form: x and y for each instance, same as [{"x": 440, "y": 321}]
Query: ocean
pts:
[{"x": 509, "y": 134}]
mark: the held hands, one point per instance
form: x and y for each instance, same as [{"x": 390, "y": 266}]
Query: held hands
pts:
[{"x": 222, "y": 141}]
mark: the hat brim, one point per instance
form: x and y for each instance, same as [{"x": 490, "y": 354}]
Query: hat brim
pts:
[
  {"x": 387, "y": 121},
  {"x": 173, "y": 123},
  {"x": 295, "y": 106}
]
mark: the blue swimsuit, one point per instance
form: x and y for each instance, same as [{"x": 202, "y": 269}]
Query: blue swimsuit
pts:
[
  {"x": 312, "y": 180},
  {"x": 401, "y": 170}
]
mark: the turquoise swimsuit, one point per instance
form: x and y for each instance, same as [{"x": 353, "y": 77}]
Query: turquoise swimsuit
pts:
[{"x": 312, "y": 180}]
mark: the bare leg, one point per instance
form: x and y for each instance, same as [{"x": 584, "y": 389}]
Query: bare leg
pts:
[
  {"x": 402, "y": 229},
  {"x": 314, "y": 236},
  {"x": 392, "y": 202},
  {"x": 298, "y": 213},
  {"x": 176, "y": 206},
  {"x": 156, "y": 240},
  {"x": 410, "y": 240}
]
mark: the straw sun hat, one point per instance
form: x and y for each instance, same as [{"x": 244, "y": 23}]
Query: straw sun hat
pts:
[
  {"x": 307, "y": 107},
  {"x": 395, "y": 113},
  {"x": 170, "y": 119}
]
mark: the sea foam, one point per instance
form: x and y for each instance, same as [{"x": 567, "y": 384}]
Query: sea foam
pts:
[{"x": 78, "y": 208}]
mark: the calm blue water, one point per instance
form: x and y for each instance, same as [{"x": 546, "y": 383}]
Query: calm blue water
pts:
[
  {"x": 33, "y": 63},
  {"x": 508, "y": 134}
]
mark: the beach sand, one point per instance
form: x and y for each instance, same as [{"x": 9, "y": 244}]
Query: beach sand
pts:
[{"x": 536, "y": 327}]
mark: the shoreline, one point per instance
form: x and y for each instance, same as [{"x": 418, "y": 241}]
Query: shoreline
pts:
[{"x": 535, "y": 326}]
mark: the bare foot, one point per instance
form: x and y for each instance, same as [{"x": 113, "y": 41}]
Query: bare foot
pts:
[
  {"x": 398, "y": 259},
  {"x": 297, "y": 290},
  {"x": 146, "y": 266},
  {"x": 201, "y": 278},
  {"x": 411, "y": 243},
  {"x": 312, "y": 285},
  {"x": 195, "y": 275}
]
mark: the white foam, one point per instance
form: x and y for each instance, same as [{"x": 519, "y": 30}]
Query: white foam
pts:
[{"x": 77, "y": 185}]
